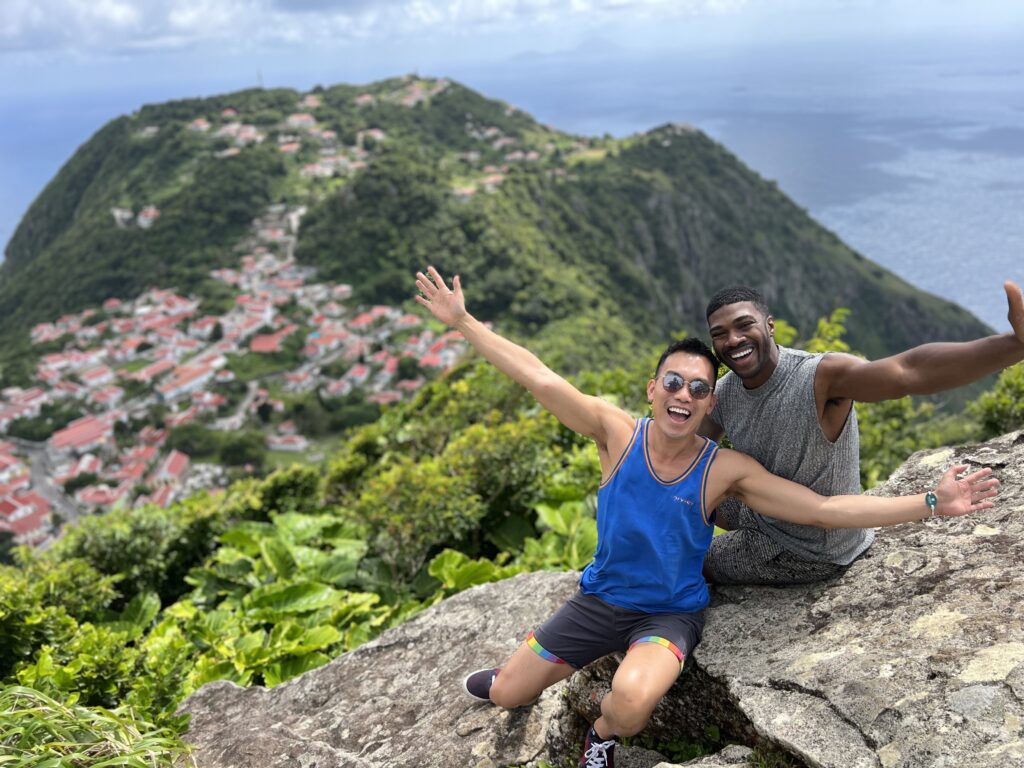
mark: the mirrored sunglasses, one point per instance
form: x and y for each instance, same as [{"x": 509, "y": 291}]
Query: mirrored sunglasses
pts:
[{"x": 673, "y": 382}]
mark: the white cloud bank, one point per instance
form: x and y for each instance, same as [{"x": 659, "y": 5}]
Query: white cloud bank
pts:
[{"x": 88, "y": 27}]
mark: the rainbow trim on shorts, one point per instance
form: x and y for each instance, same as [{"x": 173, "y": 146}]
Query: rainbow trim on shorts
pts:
[
  {"x": 662, "y": 642},
  {"x": 541, "y": 651}
]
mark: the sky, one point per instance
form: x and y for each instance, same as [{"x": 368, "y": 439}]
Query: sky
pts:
[{"x": 587, "y": 66}]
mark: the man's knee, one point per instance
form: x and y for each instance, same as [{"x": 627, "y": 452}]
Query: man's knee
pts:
[{"x": 508, "y": 693}]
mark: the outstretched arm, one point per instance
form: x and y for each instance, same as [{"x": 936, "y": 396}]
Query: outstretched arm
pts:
[
  {"x": 926, "y": 369},
  {"x": 589, "y": 416},
  {"x": 775, "y": 497}
]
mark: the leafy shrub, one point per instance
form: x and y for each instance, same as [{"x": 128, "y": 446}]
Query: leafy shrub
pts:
[
  {"x": 37, "y": 730},
  {"x": 1001, "y": 409}
]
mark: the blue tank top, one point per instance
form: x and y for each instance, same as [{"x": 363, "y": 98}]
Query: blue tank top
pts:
[{"x": 652, "y": 534}]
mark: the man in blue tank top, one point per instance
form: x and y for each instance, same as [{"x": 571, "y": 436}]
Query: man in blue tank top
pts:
[
  {"x": 644, "y": 592},
  {"x": 793, "y": 412}
]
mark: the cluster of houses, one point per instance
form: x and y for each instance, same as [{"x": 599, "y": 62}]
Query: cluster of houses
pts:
[
  {"x": 25, "y": 515},
  {"x": 120, "y": 361}
]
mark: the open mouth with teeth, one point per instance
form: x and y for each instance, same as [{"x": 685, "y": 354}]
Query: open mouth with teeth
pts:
[
  {"x": 740, "y": 354},
  {"x": 678, "y": 413}
]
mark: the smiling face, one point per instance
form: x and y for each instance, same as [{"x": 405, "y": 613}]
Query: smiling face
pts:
[
  {"x": 743, "y": 338},
  {"x": 678, "y": 413}
]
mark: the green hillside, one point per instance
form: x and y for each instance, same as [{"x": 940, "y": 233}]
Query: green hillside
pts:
[{"x": 586, "y": 245}]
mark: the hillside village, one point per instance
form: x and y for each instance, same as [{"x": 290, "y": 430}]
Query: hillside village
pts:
[
  {"x": 136, "y": 370},
  {"x": 117, "y": 380}
]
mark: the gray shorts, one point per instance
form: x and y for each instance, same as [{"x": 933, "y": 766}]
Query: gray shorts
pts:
[
  {"x": 587, "y": 628},
  {"x": 746, "y": 555}
]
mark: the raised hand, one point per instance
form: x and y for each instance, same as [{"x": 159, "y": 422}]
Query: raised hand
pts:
[
  {"x": 1015, "y": 314},
  {"x": 967, "y": 494},
  {"x": 446, "y": 305}
]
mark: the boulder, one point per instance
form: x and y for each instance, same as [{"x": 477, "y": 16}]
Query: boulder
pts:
[
  {"x": 914, "y": 657},
  {"x": 397, "y": 701}
]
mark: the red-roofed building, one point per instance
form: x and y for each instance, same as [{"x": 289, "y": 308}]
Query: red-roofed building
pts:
[
  {"x": 87, "y": 463},
  {"x": 358, "y": 374},
  {"x": 361, "y": 321},
  {"x": 130, "y": 474},
  {"x": 385, "y": 397},
  {"x": 185, "y": 380},
  {"x": 172, "y": 470},
  {"x": 108, "y": 397},
  {"x": 103, "y": 496},
  {"x": 140, "y": 453},
  {"x": 293, "y": 443},
  {"x": 153, "y": 371},
  {"x": 10, "y": 467},
  {"x": 301, "y": 120},
  {"x": 21, "y": 482},
  {"x": 97, "y": 377},
  {"x": 152, "y": 436},
  {"x": 26, "y": 515},
  {"x": 410, "y": 385},
  {"x": 271, "y": 342},
  {"x": 181, "y": 418},
  {"x": 86, "y": 434}
]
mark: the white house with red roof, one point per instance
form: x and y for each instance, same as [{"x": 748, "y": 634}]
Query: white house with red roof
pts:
[
  {"x": 266, "y": 343},
  {"x": 180, "y": 418},
  {"x": 301, "y": 120},
  {"x": 147, "y": 216},
  {"x": 172, "y": 470},
  {"x": 27, "y": 516},
  {"x": 97, "y": 377},
  {"x": 203, "y": 327},
  {"x": 358, "y": 374},
  {"x": 83, "y": 435},
  {"x": 107, "y": 397},
  {"x": 185, "y": 380},
  {"x": 10, "y": 467},
  {"x": 150, "y": 435},
  {"x": 140, "y": 453},
  {"x": 86, "y": 463},
  {"x": 103, "y": 495},
  {"x": 293, "y": 443}
]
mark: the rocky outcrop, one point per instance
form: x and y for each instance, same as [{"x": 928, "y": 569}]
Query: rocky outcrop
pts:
[{"x": 913, "y": 658}]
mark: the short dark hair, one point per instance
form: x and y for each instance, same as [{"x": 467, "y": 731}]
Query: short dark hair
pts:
[
  {"x": 734, "y": 294},
  {"x": 691, "y": 345}
]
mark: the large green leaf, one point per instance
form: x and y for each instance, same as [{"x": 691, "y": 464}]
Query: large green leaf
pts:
[
  {"x": 278, "y": 557},
  {"x": 142, "y": 609},
  {"x": 276, "y": 600}
]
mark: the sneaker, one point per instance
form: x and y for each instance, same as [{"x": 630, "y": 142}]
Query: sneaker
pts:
[
  {"x": 597, "y": 752},
  {"x": 478, "y": 684}
]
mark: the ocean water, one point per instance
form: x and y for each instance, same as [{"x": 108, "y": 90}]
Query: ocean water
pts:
[{"x": 913, "y": 155}]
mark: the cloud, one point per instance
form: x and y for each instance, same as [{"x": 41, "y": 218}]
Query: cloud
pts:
[{"x": 102, "y": 26}]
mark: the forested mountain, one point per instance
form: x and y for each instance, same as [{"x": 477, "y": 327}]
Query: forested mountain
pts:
[{"x": 587, "y": 245}]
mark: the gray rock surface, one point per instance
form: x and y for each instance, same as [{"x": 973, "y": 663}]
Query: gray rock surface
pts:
[
  {"x": 397, "y": 701},
  {"x": 914, "y": 658}
]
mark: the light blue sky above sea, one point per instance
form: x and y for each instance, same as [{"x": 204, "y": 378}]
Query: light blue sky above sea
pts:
[{"x": 898, "y": 123}]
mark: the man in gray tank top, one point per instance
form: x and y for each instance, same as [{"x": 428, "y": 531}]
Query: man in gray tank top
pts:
[{"x": 793, "y": 412}]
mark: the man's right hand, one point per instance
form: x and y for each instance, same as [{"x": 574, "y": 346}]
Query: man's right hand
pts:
[{"x": 446, "y": 305}]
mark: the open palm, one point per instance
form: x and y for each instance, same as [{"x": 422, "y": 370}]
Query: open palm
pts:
[
  {"x": 967, "y": 494},
  {"x": 447, "y": 305}
]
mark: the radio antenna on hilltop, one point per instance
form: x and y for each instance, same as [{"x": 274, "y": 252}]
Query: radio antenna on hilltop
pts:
[{"x": 259, "y": 78}]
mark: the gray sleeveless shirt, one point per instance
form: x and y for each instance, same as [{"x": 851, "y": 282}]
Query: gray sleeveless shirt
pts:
[{"x": 777, "y": 424}]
